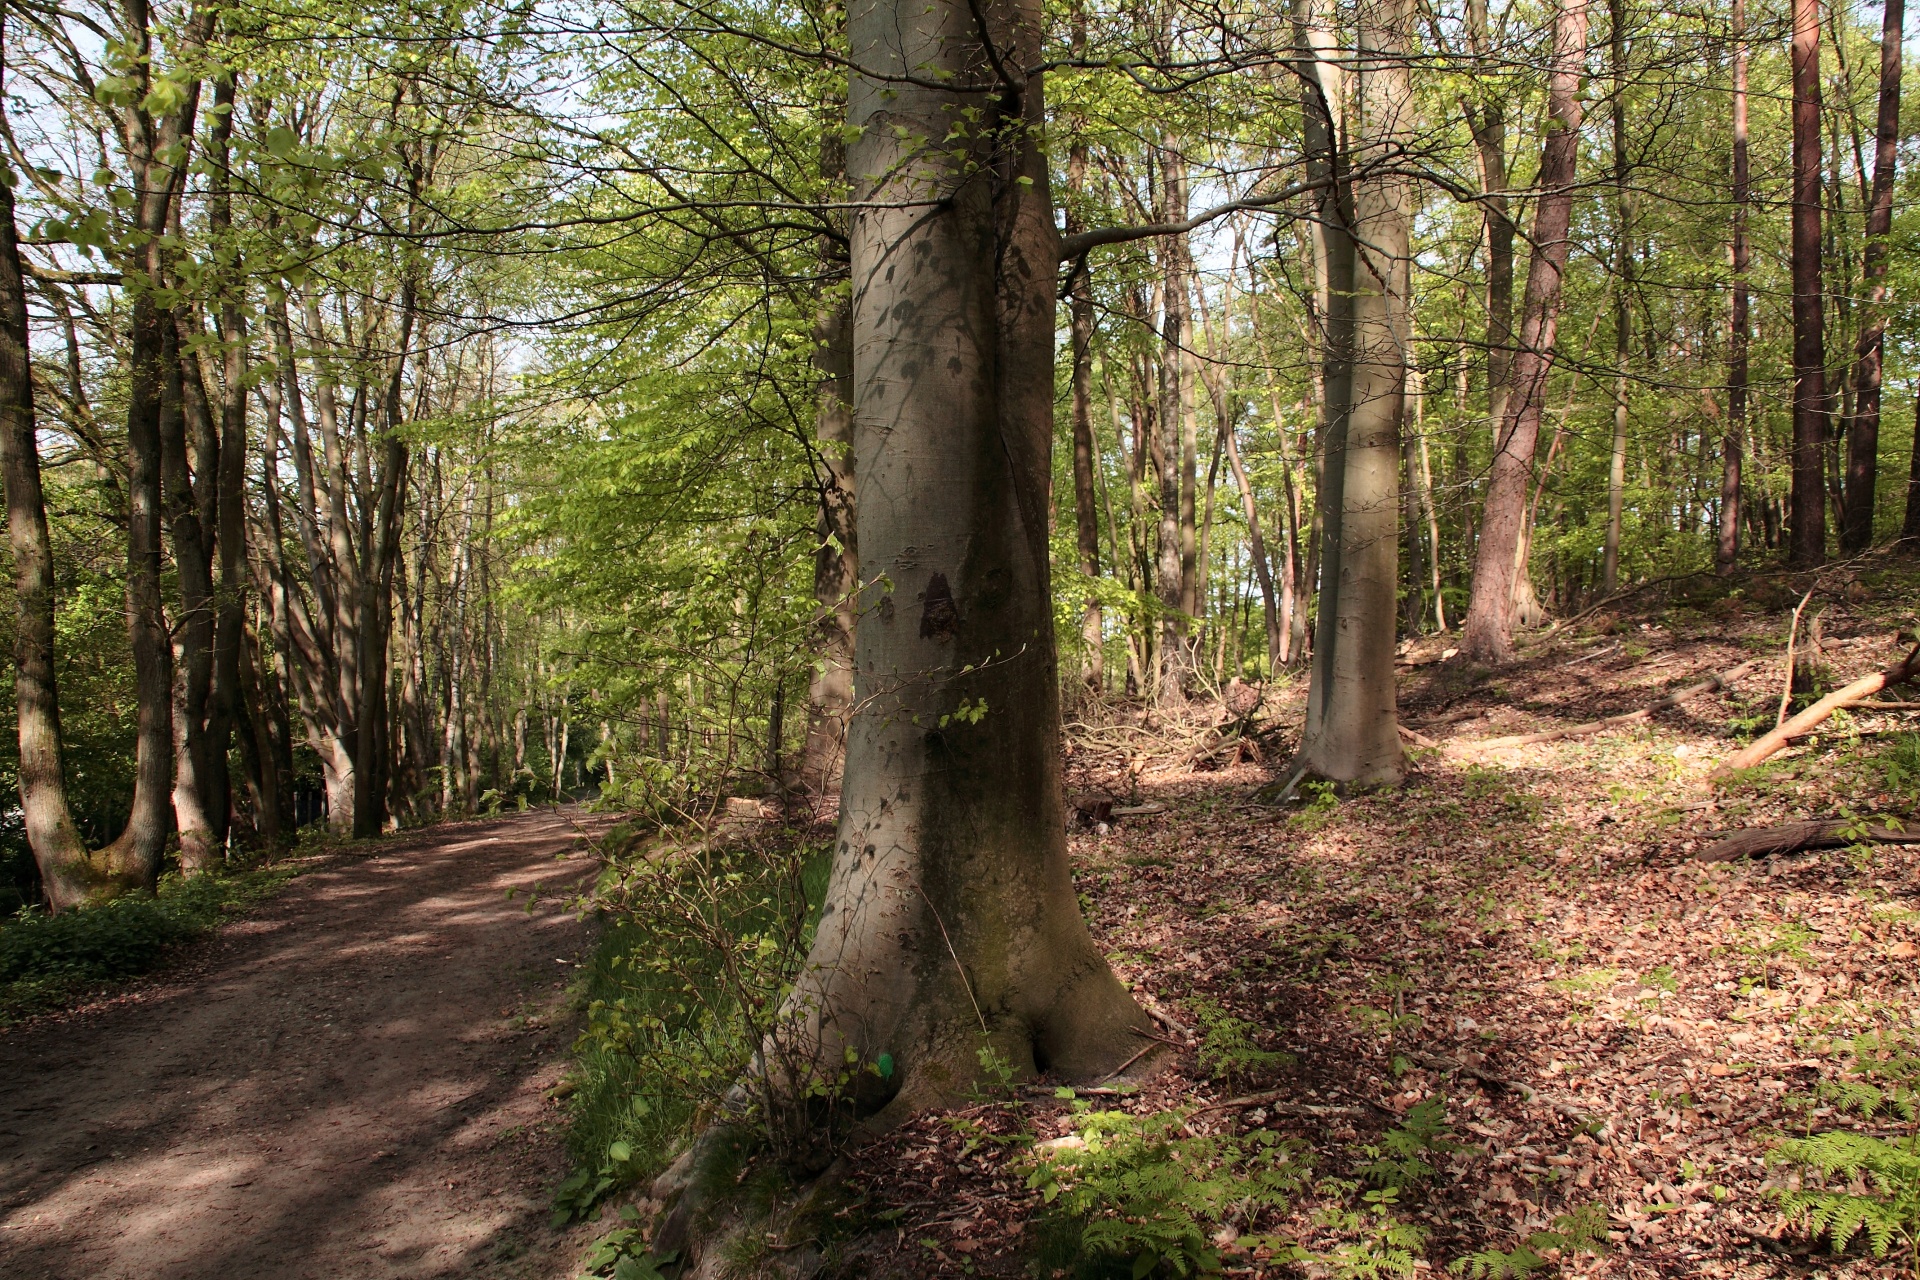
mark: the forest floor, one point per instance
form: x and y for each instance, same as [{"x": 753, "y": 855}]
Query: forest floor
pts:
[
  {"x": 353, "y": 1081},
  {"x": 1614, "y": 1028}
]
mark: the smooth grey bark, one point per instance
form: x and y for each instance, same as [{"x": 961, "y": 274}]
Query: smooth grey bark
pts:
[
  {"x": 1355, "y": 741},
  {"x": 1487, "y": 633},
  {"x": 1323, "y": 97},
  {"x": 157, "y": 151},
  {"x": 951, "y": 921},
  {"x": 1178, "y": 447}
]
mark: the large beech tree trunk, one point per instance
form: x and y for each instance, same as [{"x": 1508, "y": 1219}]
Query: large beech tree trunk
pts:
[
  {"x": 1733, "y": 447},
  {"x": 951, "y": 918},
  {"x": 1863, "y": 427},
  {"x": 1808, "y": 500},
  {"x": 1487, "y": 634},
  {"x": 1355, "y": 740},
  {"x": 1322, "y": 100}
]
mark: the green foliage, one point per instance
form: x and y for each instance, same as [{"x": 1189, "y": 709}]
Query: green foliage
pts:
[
  {"x": 1139, "y": 1193},
  {"x": 1229, "y": 1046},
  {"x": 1853, "y": 1183},
  {"x": 1403, "y": 1157},
  {"x": 622, "y": 1253},
  {"x": 47, "y": 959},
  {"x": 1383, "y": 1243},
  {"x": 1900, "y": 766},
  {"x": 1582, "y": 1231},
  {"x": 700, "y": 952},
  {"x": 1860, "y": 1183}
]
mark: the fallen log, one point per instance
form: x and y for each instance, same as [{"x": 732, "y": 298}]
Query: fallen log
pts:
[
  {"x": 1674, "y": 699},
  {"x": 1793, "y": 837},
  {"x": 1817, "y": 714}
]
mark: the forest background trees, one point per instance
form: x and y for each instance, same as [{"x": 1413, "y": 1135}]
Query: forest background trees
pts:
[{"x": 437, "y": 406}]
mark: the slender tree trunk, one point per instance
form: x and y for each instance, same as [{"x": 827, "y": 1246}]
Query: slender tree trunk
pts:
[
  {"x": 950, "y": 917},
  {"x": 67, "y": 876},
  {"x": 1808, "y": 515},
  {"x": 1487, "y": 635},
  {"x": 1085, "y": 458},
  {"x": 1863, "y": 426},
  {"x": 1910, "y": 528},
  {"x": 1487, "y": 121},
  {"x": 1733, "y": 447},
  {"x": 1622, "y": 301},
  {"x": 1356, "y": 739},
  {"x": 373, "y": 748},
  {"x": 157, "y": 148},
  {"x": 1256, "y": 539},
  {"x": 1175, "y": 567},
  {"x": 180, "y": 405}
]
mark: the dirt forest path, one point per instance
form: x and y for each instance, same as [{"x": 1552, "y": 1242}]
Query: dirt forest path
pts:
[{"x": 351, "y": 1082}]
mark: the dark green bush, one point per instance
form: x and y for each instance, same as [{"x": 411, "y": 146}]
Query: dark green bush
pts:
[{"x": 46, "y": 959}]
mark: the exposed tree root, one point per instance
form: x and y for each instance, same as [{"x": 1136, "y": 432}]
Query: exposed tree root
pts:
[
  {"x": 1792, "y": 837},
  {"x": 1804, "y": 723}
]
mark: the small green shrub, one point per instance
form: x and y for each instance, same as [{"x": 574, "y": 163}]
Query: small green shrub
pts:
[
  {"x": 46, "y": 960},
  {"x": 1400, "y": 1160},
  {"x": 701, "y": 949},
  {"x": 1853, "y": 1183},
  {"x": 1133, "y": 1195},
  {"x": 1229, "y": 1049},
  {"x": 1900, "y": 766},
  {"x": 1582, "y": 1231}
]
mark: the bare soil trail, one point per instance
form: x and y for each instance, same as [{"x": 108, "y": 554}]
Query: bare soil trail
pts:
[{"x": 350, "y": 1082}]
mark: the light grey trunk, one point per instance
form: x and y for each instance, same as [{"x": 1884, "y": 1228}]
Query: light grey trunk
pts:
[
  {"x": 950, "y": 920},
  {"x": 1355, "y": 741}
]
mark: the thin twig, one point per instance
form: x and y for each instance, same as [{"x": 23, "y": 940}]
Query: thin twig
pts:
[{"x": 1793, "y": 635}]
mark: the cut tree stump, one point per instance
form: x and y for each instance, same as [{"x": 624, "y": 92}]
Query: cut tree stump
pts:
[
  {"x": 1793, "y": 837},
  {"x": 1674, "y": 699}
]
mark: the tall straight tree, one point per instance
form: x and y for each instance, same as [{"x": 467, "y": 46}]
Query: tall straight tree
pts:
[
  {"x": 1622, "y": 300},
  {"x": 1487, "y": 634},
  {"x": 1863, "y": 427},
  {"x": 950, "y": 918},
  {"x": 1322, "y": 101},
  {"x": 1356, "y": 740},
  {"x": 1807, "y": 502},
  {"x": 1080, "y": 324},
  {"x": 1733, "y": 444},
  {"x": 58, "y": 850}
]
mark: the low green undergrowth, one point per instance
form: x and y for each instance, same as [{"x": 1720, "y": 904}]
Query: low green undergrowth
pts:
[
  {"x": 50, "y": 960},
  {"x": 700, "y": 948},
  {"x": 1846, "y": 1183}
]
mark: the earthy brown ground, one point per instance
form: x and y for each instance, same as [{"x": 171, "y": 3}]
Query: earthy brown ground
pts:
[
  {"x": 1523, "y": 933},
  {"x": 351, "y": 1082}
]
